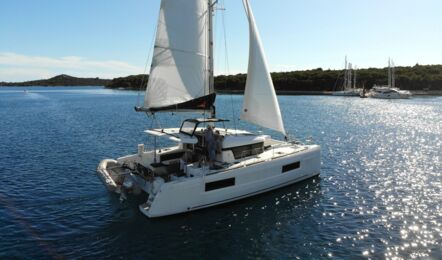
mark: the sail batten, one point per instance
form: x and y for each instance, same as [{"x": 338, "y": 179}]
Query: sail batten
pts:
[
  {"x": 180, "y": 64},
  {"x": 260, "y": 105},
  {"x": 185, "y": 51}
]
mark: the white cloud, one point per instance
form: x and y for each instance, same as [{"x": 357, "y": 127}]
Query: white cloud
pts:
[{"x": 18, "y": 67}]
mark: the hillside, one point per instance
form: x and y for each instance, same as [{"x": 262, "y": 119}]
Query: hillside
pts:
[
  {"x": 134, "y": 82},
  {"x": 61, "y": 80},
  {"x": 418, "y": 77}
]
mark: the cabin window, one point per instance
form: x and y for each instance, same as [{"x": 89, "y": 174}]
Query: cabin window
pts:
[
  {"x": 171, "y": 156},
  {"x": 247, "y": 150},
  {"x": 214, "y": 185},
  {"x": 292, "y": 166}
]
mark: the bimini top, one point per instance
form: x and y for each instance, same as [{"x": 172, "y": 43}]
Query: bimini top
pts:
[
  {"x": 207, "y": 120},
  {"x": 189, "y": 126},
  {"x": 173, "y": 134}
]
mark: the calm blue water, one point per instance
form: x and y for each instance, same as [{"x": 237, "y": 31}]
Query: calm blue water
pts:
[{"x": 379, "y": 194}]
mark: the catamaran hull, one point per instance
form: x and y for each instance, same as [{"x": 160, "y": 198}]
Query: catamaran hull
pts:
[
  {"x": 227, "y": 186},
  {"x": 387, "y": 92},
  {"x": 347, "y": 93},
  {"x": 390, "y": 96}
]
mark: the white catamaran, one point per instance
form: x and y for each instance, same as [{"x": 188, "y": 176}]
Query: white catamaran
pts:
[
  {"x": 389, "y": 91},
  {"x": 210, "y": 164}
]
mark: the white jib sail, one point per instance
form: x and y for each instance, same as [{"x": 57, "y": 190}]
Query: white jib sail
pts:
[
  {"x": 260, "y": 104},
  {"x": 180, "y": 61}
]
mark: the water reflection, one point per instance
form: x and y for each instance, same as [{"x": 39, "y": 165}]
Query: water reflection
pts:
[
  {"x": 379, "y": 194},
  {"x": 234, "y": 229}
]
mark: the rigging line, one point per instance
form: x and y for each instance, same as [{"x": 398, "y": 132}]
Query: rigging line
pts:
[
  {"x": 336, "y": 82},
  {"x": 153, "y": 124},
  {"x": 149, "y": 137},
  {"x": 227, "y": 64},
  {"x": 144, "y": 77}
]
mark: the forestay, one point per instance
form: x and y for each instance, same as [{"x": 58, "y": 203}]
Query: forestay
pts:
[
  {"x": 260, "y": 104},
  {"x": 180, "y": 63}
]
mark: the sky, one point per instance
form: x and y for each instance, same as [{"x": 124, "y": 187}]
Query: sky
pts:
[{"x": 113, "y": 38}]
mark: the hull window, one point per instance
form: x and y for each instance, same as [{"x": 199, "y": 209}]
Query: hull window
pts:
[
  {"x": 220, "y": 184},
  {"x": 292, "y": 166}
]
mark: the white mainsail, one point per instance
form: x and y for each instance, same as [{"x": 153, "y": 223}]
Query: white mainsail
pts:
[
  {"x": 180, "y": 63},
  {"x": 260, "y": 104}
]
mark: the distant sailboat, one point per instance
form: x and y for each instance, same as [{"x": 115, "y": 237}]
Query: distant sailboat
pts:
[
  {"x": 348, "y": 88},
  {"x": 191, "y": 175},
  {"x": 389, "y": 91}
]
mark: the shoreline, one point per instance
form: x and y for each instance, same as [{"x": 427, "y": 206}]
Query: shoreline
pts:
[
  {"x": 54, "y": 86},
  {"x": 325, "y": 93},
  {"x": 241, "y": 92}
]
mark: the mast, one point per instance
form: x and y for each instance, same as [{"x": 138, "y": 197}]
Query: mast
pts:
[
  {"x": 389, "y": 73},
  {"x": 393, "y": 83},
  {"x": 211, "y": 60},
  {"x": 345, "y": 74},
  {"x": 349, "y": 76},
  {"x": 354, "y": 78}
]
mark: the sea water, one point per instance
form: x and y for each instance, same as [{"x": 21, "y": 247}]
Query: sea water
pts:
[{"x": 379, "y": 194}]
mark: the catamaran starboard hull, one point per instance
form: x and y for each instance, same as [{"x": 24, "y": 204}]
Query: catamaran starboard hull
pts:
[{"x": 228, "y": 186}]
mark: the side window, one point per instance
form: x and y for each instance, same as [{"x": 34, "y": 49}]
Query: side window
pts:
[
  {"x": 292, "y": 166},
  {"x": 214, "y": 185}
]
